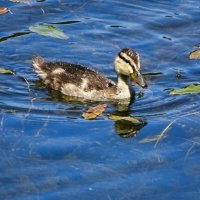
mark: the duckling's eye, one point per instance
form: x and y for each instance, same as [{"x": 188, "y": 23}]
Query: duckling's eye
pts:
[{"x": 109, "y": 85}]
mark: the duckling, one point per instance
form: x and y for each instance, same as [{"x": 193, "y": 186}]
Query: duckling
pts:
[{"x": 82, "y": 82}]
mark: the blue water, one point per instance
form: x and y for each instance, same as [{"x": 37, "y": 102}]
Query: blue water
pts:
[{"x": 48, "y": 151}]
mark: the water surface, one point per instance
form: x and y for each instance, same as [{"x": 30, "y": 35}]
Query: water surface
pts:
[{"x": 48, "y": 151}]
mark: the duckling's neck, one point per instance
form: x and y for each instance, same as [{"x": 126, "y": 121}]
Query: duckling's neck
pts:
[{"x": 123, "y": 85}]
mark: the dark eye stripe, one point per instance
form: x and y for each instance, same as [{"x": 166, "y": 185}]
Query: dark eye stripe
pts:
[{"x": 127, "y": 61}]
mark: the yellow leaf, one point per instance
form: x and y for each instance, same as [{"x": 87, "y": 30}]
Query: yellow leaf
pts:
[
  {"x": 6, "y": 71},
  {"x": 89, "y": 115},
  {"x": 131, "y": 119},
  {"x": 149, "y": 139},
  {"x": 195, "y": 54}
]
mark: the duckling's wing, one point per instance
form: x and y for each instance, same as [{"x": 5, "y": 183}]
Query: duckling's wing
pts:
[
  {"x": 83, "y": 77},
  {"x": 62, "y": 74}
]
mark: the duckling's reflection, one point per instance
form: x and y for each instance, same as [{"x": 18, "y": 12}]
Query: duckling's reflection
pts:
[{"x": 125, "y": 126}]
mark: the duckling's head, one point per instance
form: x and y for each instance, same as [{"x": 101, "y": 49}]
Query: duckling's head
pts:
[{"x": 127, "y": 63}]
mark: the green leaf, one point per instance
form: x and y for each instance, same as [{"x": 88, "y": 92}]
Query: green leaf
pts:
[
  {"x": 48, "y": 30},
  {"x": 190, "y": 89},
  {"x": 6, "y": 71}
]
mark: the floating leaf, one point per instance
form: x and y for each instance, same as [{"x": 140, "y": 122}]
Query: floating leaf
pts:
[
  {"x": 3, "y": 10},
  {"x": 6, "y": 71},
  {"x": 21, "y": 1},
  {"x": 195, "y": 54},
  {"x": 93, "y": 112},
  {"x": 131, "y": 119},
  {"x": 190, "y": 89},
  {"x": 87, "y": 115},
  {"x": 48, "y": 30}
]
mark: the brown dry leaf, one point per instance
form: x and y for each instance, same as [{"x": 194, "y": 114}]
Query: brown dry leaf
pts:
[
  {"x": 195, "y": 54},
  {"x": 97, "y": 110},
  {"x": 94, "y": 112},
  {"x": 3, "y": 10}
]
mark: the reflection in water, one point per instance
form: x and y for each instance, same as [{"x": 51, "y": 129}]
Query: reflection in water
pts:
[
  {"x": 126, "y": 128},
  {"x": 49, "y": 152},
  {"x": 125, "y": 125},
  {"x": 56, "y": 95}
]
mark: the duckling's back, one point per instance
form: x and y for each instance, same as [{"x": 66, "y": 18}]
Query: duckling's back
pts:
[{"x": 71, "y": 79}]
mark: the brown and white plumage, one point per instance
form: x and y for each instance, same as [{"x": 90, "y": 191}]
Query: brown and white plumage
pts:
[{"x": 82, "y": 82}]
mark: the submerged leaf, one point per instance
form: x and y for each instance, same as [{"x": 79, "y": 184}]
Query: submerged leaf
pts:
[
  {"x": 18, "y": 34},
  {"x": 131, "y": 119},
  {"x": 116, "y": 26},
  {"x": 3, "y": 10},
  {"x": 149, "y": 139},
  {"x": 6, "y": 71},
  {"x": 93, "y": 112},
  {"x": 195, "y": 54},
  {"x": 48, "y": 30},
  {"x": 190, "y": 89}
]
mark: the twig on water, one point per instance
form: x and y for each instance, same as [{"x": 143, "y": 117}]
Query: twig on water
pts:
[
  {"x": 27, "y": 83},
  {"x": 162, "y": 134},
  {"x": 189, "y": 151}
]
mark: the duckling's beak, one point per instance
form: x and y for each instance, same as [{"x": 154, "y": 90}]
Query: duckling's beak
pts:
[{"x": 138, "y": 78}]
